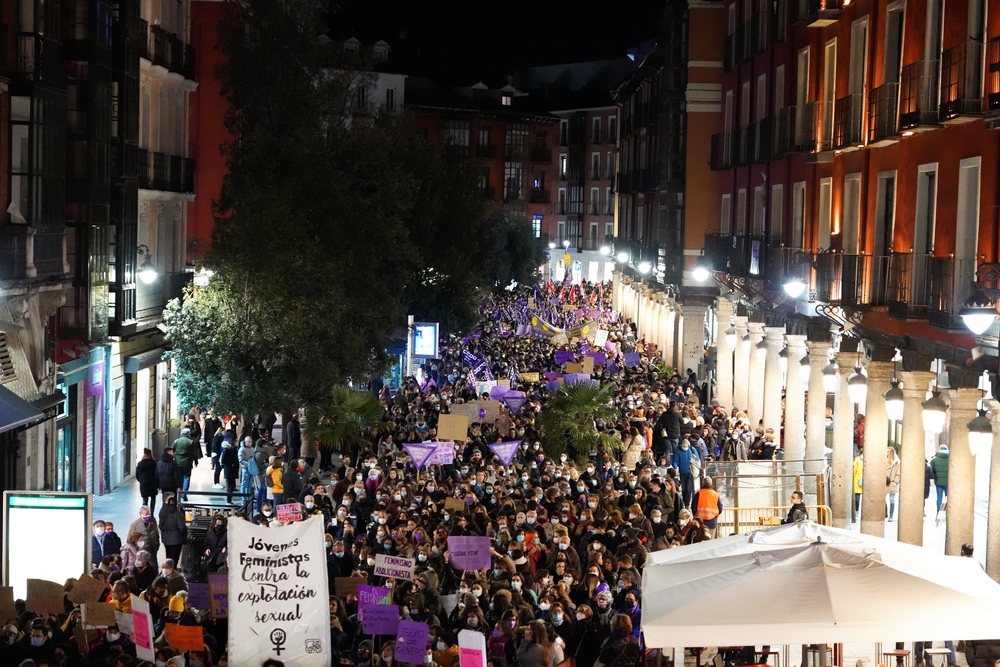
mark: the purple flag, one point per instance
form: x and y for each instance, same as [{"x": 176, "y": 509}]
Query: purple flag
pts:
[
  {"x": 562, "y": 356},
  {"x": 411, "y": 642},
  {"x": 498, "y": 392},
  {"x": 506, "y": 450},
  {"x": 469, "y": 553},
  {"x": 380, "y": 619},
  {"x": 514, "y": 403},
  {"x": 631, "y": 359},
  {"x": 419, "y": 452}
]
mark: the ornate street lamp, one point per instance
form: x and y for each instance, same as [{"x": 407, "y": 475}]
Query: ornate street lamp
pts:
[
  {"x": 894, "y": 402},
  {"x": 935, "y": 410},
  {"x": 830, "y": 380},
  {"x": 980, "y": 434},
  {"x": 857, "y": 386}
]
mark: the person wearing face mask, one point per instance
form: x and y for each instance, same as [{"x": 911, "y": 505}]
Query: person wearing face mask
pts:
[
  {"x": 216, "y": 543},
  {"x": 274, "y": 478},
  {"x": 385, "y": 657},
  {"x": 472, "y": 618},
  {"x": 364, "y": 656},
  {"x": 533, "y": 648},
  {"x": 147, "y": 527},
  {"x": 40, "y": 648},
  {"x": 175, "y": 580},
  {"x": 173, "y": 528},
  {"x": 445, "y": 650},
  {"x": 683, "y": 460}
]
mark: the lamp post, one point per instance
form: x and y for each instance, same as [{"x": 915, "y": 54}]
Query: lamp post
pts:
[{"x": 147, "y": 270}]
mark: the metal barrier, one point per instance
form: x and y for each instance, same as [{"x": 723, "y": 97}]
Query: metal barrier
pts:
[{"x": 736, "y": 520}]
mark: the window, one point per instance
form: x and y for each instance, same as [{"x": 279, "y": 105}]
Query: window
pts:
[
  {"x": 507, "y": 99},
  {"x": 725, "y": 211},
  {"x": 562, "y": 166},
  {"x": 777, "y": 211},
  {"x": 456, "y": 136},
  {"x": 564, "y": 132},
  {"x": 517, "y": 140},
  {"x": 859, "y": 57},
  {"x": 609, "y": 230},
  {"x": 595, "y": 201},
  {"x": 561, "y": 229},
  {"x": 484, "y": 139},
  {"x": 825, "y": 213},
  {"x": 390, "y": 99},
  {"x": 779, "y": 89},
  {"x": 851, "y": 215},
  {"x": 361, "y": 99},
  {"x": 802, "y": 78},
  {"x": 798, "y": 214},
  {"x": 829, "y": 91},
  {"x": 924, "y": 220},
  {"x": 536, "y": 225},
  {"x": 595, "y": 166},
  {"x": 741, "y": 212},
  {"x": 758, "y": 211},
  {"x": 513, "y": 181},
  {"x": 885, "y": 213},
  {"x": 612, "y": 129},
  {"x": 380, "y": 53},
  {"x": 611, "y": 165},
  {"x": 595, "y": 134},
  {"x": 761, "y": 97},
  {"x": 609, "y": 202},
  {"x": 893, "y": 51},
  {"x": 562, "y": 200},
  {"x": 745, "y": 104}
]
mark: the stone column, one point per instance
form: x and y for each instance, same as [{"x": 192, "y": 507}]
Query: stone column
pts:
[
  {"x": 741, "y": 366},
  {"x": 774, "y": 339},
  {"x": 755, "y": 385},
  {"x": 911, "y": 468},
  {"x": 842, "y": 470},
  {"x": 876, "y": 442},
  {"x": 993, "y": 516},
  {"x": 671, "y": 332},
  {"x": 693, "y": 347},
  {"x": 795, "y": 402},
  {"x": 723, "y": 354},
  {"x": 815, "y": 451},
  {"x": 616, "y": 289},
  {"x": 961, "y": 471}
]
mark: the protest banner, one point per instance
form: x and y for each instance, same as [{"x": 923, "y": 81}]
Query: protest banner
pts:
[
  {"x": 471, "y": 649},
  {"x": 529, "y": 377},
  {"x": 498, "y": 392},
  {"x": 503, "y": 382},
  {"x": 554, "y": 385},
  {"x": 372, "y": 595},
  {"x": 87, "y": 589},
  {"x": 453, "y": 426},
  {"x": 345, "y": 586},
  {"x": 485, "y": 387},
  {"x": 600, "y": 358},
  {"x": 419, "y": 452},
  {"x": 560, "y": 339},
  {"x": 289, "y": 512},
  {"x": 563, "y": 356},
  {"x": 631, "y": 359},
  {"x": 469, "y": 552},
  {"x": 98, "y": 614},
  {"x": 142, "y": 623},
  {"x": 218, "y": 590},
  {"x": 396, "y": 567},
  {"x": 573, "y": 378},
  {"x": 443, "y": 454},
  {"x": 278, "y": 587},
  {"x": 505, "y": 451},
  {"x": 514, "y": 403},
  {"x": 125, "y": 623},
  {"x": 198, "y": 596},
  {"x": 185, "y": 637},
  {"x": 45, "y": 597},
  {"x": 573, "y": 369},
  {"x": 411, "y": 642},
  {"x": 454, "y": 505},
  {"x": 476, "y": 411},
  {"x": 600, "y": 337},
  {"x": 379, "y": 619}
]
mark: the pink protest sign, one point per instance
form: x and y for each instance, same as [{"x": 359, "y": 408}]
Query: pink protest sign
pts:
[
  {"x": 469, "y": 552},
  {"x": 470, "y": 657}
]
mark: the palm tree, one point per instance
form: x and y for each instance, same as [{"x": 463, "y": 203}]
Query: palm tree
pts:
[
  {"x": 568, "y": 420},
  {"x": 343, "y": 420}
]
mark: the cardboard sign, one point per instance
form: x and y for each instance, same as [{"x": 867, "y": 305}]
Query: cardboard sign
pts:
[
  {"x": 87, "y": 589},
  {"x": 396, "y": 567},
  {"x": 560, "y": 339},
  {"x": 218, "y": 589},
  {"x": 531, "y": 303},
  {"x": 588, "y": 365},
  {"x": 454, "y": 505},
  {"x": 142, "y": 622},
  {"x": 567, "y": 307},
  {"x": 185, "y": 637},
  {"x": 477, "y": 412},
  {"x": 98, "y": 614},
  {"x": 443, "y": 454},
  {"x": 469, "y": 552},
  {"x": 289, "y": 512},
  {"x": 573, "y": 369},
  {"x": 7, "y": 609},
  {"x": 529, "y": 377},
  {"x": 380, "y": 619},
  {"x": 503, "y": 382},
  {"x": 45, "y": 597},
  {"x": 411, "y": 642},
  {"x": 345, "y": 586},
  {"x": 454, "y": 426}
]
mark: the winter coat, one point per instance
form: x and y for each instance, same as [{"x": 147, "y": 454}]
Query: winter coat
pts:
[
  {"x": 215, "y": 542},
  {"x": 982, "y": 653},
  {"x": 184, "y": 452},
  {"x": 634, "y": 452},
  {"x": 145, "y": 474},
  {"x": 682, "y": 460},
  {"x": 173, "y": 529},
  {"x": 892, "y": 476},
  {"x": 939, "y": 464},
  {"x": 291, "y": 483},
  {"x": 620, "y": 651},
  {"x": 166, "y": 473},
  {"x": 230, "y": 460},
  {"x": 149, "y": 530}
]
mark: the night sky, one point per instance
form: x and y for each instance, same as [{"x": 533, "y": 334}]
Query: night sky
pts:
[{"x": 495, "y": 37}]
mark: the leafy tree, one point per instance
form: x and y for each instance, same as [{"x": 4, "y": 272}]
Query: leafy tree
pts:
[
  {"x": 568, "y": 422},
  {"x": 343, "y": 419}
]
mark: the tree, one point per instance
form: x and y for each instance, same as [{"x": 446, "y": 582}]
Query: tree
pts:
[
  {"x": 568, "y": 421},
  {"x": 342, "y": 420}
]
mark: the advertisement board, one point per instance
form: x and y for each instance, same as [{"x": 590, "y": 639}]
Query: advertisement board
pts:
[{"x": 425, "y": 340}]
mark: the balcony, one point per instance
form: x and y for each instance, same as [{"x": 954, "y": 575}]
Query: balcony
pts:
[
  {"x": 961, "y": 83},
  {"x": 29, "y": 252},
  {"x": 781, "y": 264},
  {"x": 909, "y": 285},
  {"x": 864, "y": 280},
  {"x": 733, "y": 49},
  {"x": 747, "y": 52},
  {"x": 541, "y": 155},
  {"x": 918, "y": 89},
  {"x": 807, "y": 126},
  {"x": 759, "y": 25},
  {"x": 170, "y": 52},
  {"x": 882, "y": 129},
  {"x": 993, "y": 81},
  {"x": 742, "y": 147},
  {"x": 486, "y": 151},
  {"x": 40, "y": 60},
  {"x": 848, "y": 113},
  {"x": 818, "y": 13},
  {"x": 722, "y": 151},
  {"x": 540, "y": 197},
  {"x": 951, "y": 283},
  {"x": 166, "y": 173},
  {"x": 761, "y": 133},
  {"x": 783, "y": 132}
]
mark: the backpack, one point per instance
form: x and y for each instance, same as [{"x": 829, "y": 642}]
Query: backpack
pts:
[{"x": 253, "y": 467}]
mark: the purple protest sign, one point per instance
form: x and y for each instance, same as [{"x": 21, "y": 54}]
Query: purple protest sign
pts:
[
  {"x": 469, "y": 552},
  {"x": 552, "y": 386},
  {"x": 498, "y": 392},
  {"x": 419, "y": 452},
  {"x": 372, "y": 595},
  {"x": 562, "y": 356},
  {"x": 514, "y": 403},
  {"x": 505, "y": 450},
  {"x": 380, "y": 619},
  {"x": 574, "y": 378},
  {"x": 612, "y": 367},
  {"x": 631, "y": 359},
  {"x": 411, "y": 642},
  {"x": 550, "y": 375},
  {"x": 444, "y": 454},
  {"x": 611, "y": 347},
  {"x": 600, "y": 359}
]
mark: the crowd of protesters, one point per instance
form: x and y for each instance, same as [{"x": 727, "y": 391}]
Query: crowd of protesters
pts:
[{"x": 570, "y": 531}]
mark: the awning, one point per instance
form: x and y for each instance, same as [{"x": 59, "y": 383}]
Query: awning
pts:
[
  {"x": 137, "y": 362},
  {"x": 15, "y": 411},
  {"x": 50, "y": 404}
]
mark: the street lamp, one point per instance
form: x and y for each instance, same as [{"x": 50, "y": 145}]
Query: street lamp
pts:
[
  {"x": 147, "y": 270},
  {"x": 795, "y": 287},
  {"x": 934, "y": 413},
  {"x": 894, "y": 402},
  {"x": 857, "y": 386},
  {"x": 701, "y": 272},
  {"x": 622, "y": 257},
  {"x": 731, "y": 337},
  {"x": 978, "y": 312},
  {"x": 830, "y": 378},
  {"x": 605, "y": 250},
  {"x": 980, "y": 434},
  {"x": 645, "y": 267},
  {"x": 552, "y": 245},
  {"x": 566, "y": 243},
  {"x": 805, "y": 370}
]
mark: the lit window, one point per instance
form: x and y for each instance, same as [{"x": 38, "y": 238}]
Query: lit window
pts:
[{"x": 506, "y": 100}]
